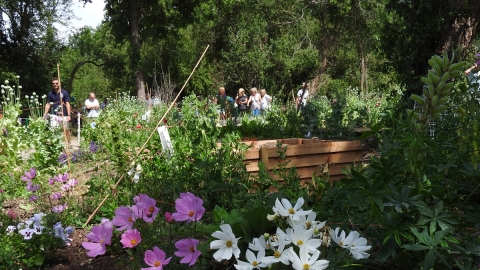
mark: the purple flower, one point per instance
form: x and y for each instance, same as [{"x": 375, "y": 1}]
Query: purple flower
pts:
[
  {"x": 93, "y": 147},
  {"x": 155, "y": 259},
  {"x": 31, "y": 187},
  {"x": 38, "y": 228},
  {"x": 169, "y": 218},
  {"x": 99, "y": 237},
  {"x": 61, "y": 178},
  {"x": 27, "y": 233},
  {"x": 10, "y": 229},
  {"x": 147, "y": 207},
  {"x": 131, "y": 238},
  {"x": 105, "y": 222},
  {"x": 51, "y": 181},
  {"x": 72, "y": 182},
  {"x": 187, "y": 248},
  {"x": 189, "y": 208},
  {"x": 65, "y": 187},
  {"x": 29, "y": 175},
  {"x": 124, "y": 218},
  {"x": 33, "y": 198},
  {"x": 56, "y": 196},
  {"x": 62, "y": 159},
  {"x": 59, "y": 208}
]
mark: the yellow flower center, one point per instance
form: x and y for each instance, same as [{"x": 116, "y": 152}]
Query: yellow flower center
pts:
[
  {"x": 299, "y": 242},
  {"x": 101, "y": 241},
  {"x": 341, "y": 243},
  {"x": 352, "y": 245},
  {"x": 308, "y": 224},
  {"x": 151, "y": 209},
  {"x": 130, "y": 219},
  {"x": 306, "y": 266},
  {"x": 276, "y": 254},
  {"x": 229, "y": 244},
  {"x": 190, "y": 214},
  {"x": 291, "y": 211},
  {"x": 254, "y": 263},
  {"x": 157, "y": 264},
  {"x": 133, "y": 242},
  {"x": 192, "y": 249}
]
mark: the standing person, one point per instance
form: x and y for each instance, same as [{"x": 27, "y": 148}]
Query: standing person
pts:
[
  {"x": 473, "y": 74},
  {"x": 266, "y": 100},
  {"x": 241, "y": 100},
  {"x": 220, "y": 99},
  {"x": 58, "y": 113},
  {"x": 104, "y": 104},
  {"x": 92, "y": 105},
  {"x": 254, "y": 102},
  {"x": 302, "y": 96}
]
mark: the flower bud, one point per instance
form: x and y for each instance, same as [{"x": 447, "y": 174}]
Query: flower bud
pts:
[{"x": 266, "y": 236}]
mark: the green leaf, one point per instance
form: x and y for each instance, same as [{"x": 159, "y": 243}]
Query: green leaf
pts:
[{"x": 415, "y": 247}]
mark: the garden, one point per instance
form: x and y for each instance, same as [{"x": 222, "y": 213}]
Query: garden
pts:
[{"x": 122, "y": 200}]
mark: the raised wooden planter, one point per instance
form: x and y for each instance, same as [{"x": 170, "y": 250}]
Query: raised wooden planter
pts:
[{"x": 307, "y": 155}]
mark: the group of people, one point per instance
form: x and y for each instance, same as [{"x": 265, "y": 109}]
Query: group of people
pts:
[
  {"x": 62, "y": 114},
  {"x": 258, "y": 102}
]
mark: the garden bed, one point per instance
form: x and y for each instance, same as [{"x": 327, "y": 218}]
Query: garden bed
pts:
[{"x": 309, "y": 156}]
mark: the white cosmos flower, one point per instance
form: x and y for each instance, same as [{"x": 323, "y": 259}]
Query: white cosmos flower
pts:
[
  {"x": 301, "y": 237},
  {"x": 283, "y": 235},
  {"x": 305, "y": 261},
  {"x": 356, "y": 244},
  {"x": 227, "y": 245},
  {"x": 259, "y": 244},
  {"x": 308, "y": 222},
  {"x": 280, "y": 254},
  {"x": 253, "y": 261},
  {"x": 285, "y": 209}
]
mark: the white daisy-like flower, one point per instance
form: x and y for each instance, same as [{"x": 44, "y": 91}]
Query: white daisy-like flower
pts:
[
  {"x": 227, "y": 244},
  {"x": 280, "y": 254},
  {"x": 259, "y": 244},
  {"x": 274, "y": 240},
  {"x": 253, "y": 261},
  {"x": 301, "y": 237},
  {"x": 308, "y": 222},
  {"x": 285, "y": 209},
  {"x": 356, "y": 244},
  {"x": 305, "y": 261}
]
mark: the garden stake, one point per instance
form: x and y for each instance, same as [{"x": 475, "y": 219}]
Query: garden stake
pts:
[
  {"x": 63, "y": 122},
  {"x": 149, "y": 137}
]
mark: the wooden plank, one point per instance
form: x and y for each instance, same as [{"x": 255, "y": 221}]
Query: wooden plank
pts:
[
  {"x": 309, "y": 160},
  {"x": 258, "y": 144},
  {"x": 264, "y": 156},
  {"x": 291, "y": 141},
  {"x": 252, "y": 154},
  {"x": 317, "y": 148},
  {"x": 307, "y": 172}
]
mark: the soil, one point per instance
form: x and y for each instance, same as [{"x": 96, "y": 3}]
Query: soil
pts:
[{"x": 74, "y": 256}]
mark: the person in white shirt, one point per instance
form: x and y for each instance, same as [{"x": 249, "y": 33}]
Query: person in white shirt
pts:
[
  {"x": 254, "y": 101},
  {"x": 92, "y": 105},
  {"x": 302, "y": 96},
  {"x": 266, "y": 100}
]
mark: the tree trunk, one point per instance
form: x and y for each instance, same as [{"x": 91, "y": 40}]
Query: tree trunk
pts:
[
  {"x": 461, "y": 32},
  {"x": 136, "y": 44}
]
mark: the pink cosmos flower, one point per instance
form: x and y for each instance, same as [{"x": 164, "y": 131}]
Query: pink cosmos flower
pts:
[
  {"x": 12, "y": 214},
  {"x": 169, "y": 218},
  {"x": 29, "y": 175},
  {"x": 105, "y": 222},
  {"x": 59, "y": 208},
  {"x": 124, "y": 218},
  {"x": 99, "y": 237},
  {"x": 155, "y": 259},
  {"x": 51, "y": 181},
  {"x": 131, "y": 238},
  {"x": 146, "y": 206},
  {"x": 187, "y": 248},
  {"x": 189, "y": 208}
]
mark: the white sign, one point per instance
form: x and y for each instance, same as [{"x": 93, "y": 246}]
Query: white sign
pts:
[{"x": 165, "y": 139}]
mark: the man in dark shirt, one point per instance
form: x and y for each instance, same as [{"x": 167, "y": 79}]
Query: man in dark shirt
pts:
[{"x": 58, "y": 113}]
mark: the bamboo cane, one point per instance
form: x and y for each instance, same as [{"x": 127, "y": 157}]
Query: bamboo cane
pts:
[
  {"x": 63, "y": 122},
  {"x": 149, "y": 137}
]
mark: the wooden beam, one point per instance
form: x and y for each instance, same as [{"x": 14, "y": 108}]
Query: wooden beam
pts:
[{"x": 264, "y": 156}]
